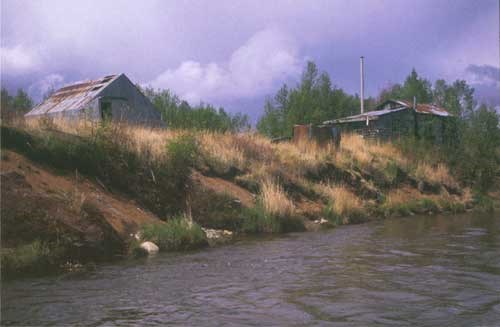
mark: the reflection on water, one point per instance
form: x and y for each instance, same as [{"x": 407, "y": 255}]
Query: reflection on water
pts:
[{"x": 422, "y": 271}]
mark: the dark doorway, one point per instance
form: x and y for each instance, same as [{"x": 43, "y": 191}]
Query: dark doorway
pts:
[{"x": 106, "y": 111}]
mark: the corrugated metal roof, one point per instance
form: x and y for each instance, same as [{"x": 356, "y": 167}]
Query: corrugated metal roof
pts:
[
  {"x": 370, "y": 115},
  {"x": 72, "y": 97},
  {"x": 399, "y": 105},
  {"x": 427, "y": 108}
]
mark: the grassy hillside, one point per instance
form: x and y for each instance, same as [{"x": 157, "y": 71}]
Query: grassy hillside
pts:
[{"x": 241, "y": 182}]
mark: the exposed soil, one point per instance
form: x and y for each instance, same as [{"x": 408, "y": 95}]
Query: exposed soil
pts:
[
  {"x": 48, "y": 203},
  {"x": 222, "y": 186}
]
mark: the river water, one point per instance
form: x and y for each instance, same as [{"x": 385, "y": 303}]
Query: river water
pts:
[{"x": 416, "y": 271}]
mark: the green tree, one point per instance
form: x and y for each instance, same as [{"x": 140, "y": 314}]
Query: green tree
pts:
[
  {"x": 479, "y": 153},
  {"x": 22, "y": 102},
  {"x": 180, "y": 114},
  {"x": 390, "y": 92},
  {"x": 271, "y": 123},
  {"x": 415, "y": 86},
  {"x": 6, "y": 102},
  {"x": 17, "y": 105},
  {"x": 314, "y": 100}
]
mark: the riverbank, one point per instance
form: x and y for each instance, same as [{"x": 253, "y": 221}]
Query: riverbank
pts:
[
  {"x": 73, "y": 194},
  {"x": 419, "y": 271}
]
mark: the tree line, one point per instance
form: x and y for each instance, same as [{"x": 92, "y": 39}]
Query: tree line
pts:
[
  {"x": 472, "y": 149},
  {"x": 315, "y": 99},
  {"x": 178, "y": 113},
  {"x": 14, "y": 105},
  {"x": 175, "y": 112}
]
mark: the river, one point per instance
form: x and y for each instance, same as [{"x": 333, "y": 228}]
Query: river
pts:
[{"x": 415, "y": 271}]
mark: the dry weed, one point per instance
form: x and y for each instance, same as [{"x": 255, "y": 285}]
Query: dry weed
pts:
[
  {"x": 342, "y": 199},
  {"x": 275, "y": 200}
]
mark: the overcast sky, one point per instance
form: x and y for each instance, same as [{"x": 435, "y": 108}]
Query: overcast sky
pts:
[{"x": 235, "y": 53}]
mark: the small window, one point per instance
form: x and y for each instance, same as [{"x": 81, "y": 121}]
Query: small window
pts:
[{"x": 106, "y": 111}]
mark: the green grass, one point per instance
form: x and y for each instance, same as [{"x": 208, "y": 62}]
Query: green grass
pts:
[
  {"x": 354, "y": 216},
  {"x": 257, "y": 220},
  {"x": 484, "y": 203},
  {"x": 451, "y": 206},
  {"x": 393, "y": 173},
  {"x": 175, "y": 234},
  {"x": 419, "y": 206},
  {"x": 32, "y": 258}
]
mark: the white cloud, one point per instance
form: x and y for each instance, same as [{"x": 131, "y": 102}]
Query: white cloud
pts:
[
  {"x": 18, "y": 59},
  {"x": 49, "y": 83},
  {"x": 269, "y": 57}
]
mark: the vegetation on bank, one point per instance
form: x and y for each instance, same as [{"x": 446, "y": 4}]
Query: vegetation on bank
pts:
[
  {"x": 154, "y": 167},
  {"x": 33, "y": 257},
  {"x": 175, "y": 234},
  {"x": 292, "y": 186}
]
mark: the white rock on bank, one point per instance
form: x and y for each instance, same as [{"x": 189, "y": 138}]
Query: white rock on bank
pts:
[
  {"x": 149, "y": 247},
  {"x": 215, "y": 236},
  {"x": 321, "y": 221}
]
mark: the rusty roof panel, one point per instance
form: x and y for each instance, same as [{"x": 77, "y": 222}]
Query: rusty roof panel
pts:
[
  {"x": 432, "y": 110},
  {"x": 72, "y": 97},
  {"x": 426, "y": 108},
  {"x": 370, "y": 115},
  {"x": 423, "y": 108}
]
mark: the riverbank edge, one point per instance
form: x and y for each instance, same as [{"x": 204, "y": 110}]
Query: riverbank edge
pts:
[{"x": 256, "y": 220}]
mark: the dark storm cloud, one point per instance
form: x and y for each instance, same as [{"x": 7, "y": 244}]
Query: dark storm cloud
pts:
[{"x": 485, "y": 73}]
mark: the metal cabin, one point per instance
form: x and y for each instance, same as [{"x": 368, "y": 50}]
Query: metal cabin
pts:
[
  {"x": 112, "y": 97},
  {"x": 392, "y": 119}
]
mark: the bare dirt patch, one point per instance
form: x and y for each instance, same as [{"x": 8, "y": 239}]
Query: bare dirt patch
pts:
[{"x": 27, "y": 186}]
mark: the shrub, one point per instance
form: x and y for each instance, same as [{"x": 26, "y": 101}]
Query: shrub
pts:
[
  {"x": 174, "y": 234},
  {"x": 182, "y": 153}
]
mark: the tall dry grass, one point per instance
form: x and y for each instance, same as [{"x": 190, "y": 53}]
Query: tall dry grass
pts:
[
  {"x": 304, "y": 157},
  {"x": 256, "y": 155},
  {"x": 275, "y": 200},
  {"x": 437, "y": 175},
  {"x": 398, "y": 197},
  {"x": 343, "y": 201},
  {"x": 220, "y": 152},
  {"x": 366, "y": 152}
]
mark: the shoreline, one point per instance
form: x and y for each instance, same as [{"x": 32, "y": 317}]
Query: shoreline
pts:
[{"x": 69, "y": 268}]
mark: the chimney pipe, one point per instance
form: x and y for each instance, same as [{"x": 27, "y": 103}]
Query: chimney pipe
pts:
[{"x": 362, "y": 76}]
